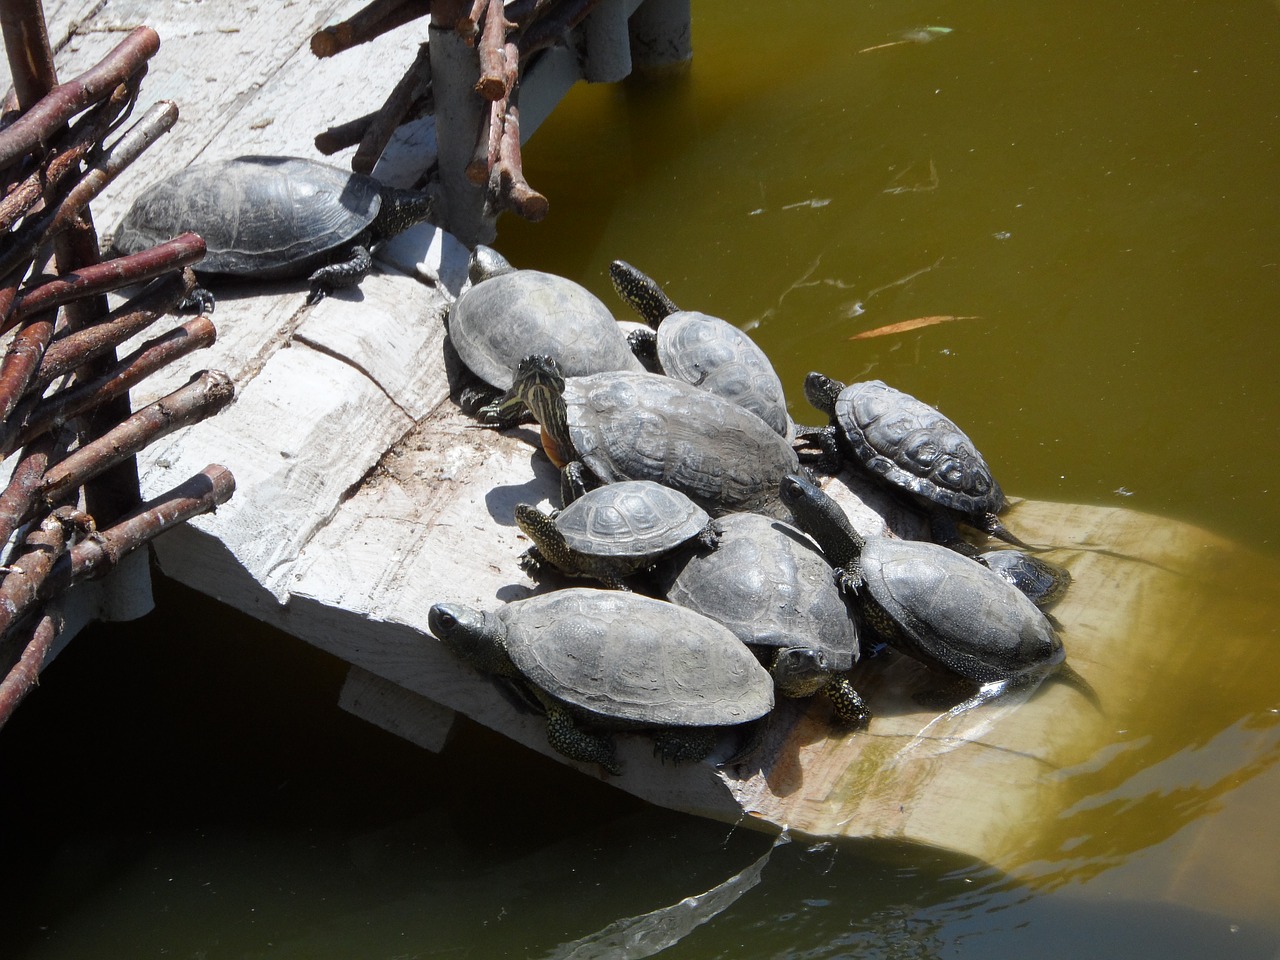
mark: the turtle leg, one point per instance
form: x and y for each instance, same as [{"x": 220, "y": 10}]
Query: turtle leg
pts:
[
  {"x": 685, "y": 744},
  {"x": 942, "y": 526},
  {"x": 848, "y": 703},
  {"x": 992, "y": 525},
  {"x": 499, "y": 410},
  {"x": 567, "y": 739},
  {"x": 644, "y": 344},
  {"x": 575, "y": 480},
  {"x": 827, "y": 456},
  {"x": 199, "y": 300},
  {"x": 345, "y": 273}
]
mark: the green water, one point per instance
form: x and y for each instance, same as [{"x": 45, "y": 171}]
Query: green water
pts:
[{"x": 1094, "y": 189}]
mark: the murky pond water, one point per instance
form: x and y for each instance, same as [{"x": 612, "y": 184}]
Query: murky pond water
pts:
[{"x": 1090, "y": 190}]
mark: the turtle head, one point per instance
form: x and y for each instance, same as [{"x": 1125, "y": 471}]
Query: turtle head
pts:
[
  {"x": 539, "y": 385},
  {"x": 471, "y": 635},
  {"x": 487, "y": 263},
  {"x": 823, "y": 519},
  {"x": 541, "y": 529},
  {"x": 821, "y": 391},
  {"x": 400, "y": 210},
  {"x": 641, "y": 293},
  {"x": 800, "y": 671}
]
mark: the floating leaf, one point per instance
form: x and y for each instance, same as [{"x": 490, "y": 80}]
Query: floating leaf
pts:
[{"x": 905, "y": 325}]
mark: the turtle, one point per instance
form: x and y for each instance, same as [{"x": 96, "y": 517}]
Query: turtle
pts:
[
  {"x": 601, "y": 660},
  {"x": 506, "y": 314},
  {"x": 703, "y": 350},
  {"x": 615, "y": 530},
  {"x": 1044, "y": 582},
  {"x": 769, "y": 584},
  {"x": 911, "y": 445},
  {"x": 607, "y": 427},
  {"x": 934, "y": 604},
  {"x": 273, "y": 218}
]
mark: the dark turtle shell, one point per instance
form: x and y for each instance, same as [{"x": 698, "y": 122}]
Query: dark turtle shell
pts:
[
  {"x": 268, "y": 217},
  {"x": 1043, "y": 582},
  {"x": 635, "y": 659},
  {"x": 715, "y": 355},
  {"x": 497, "y": 322},
  {"x": 911, "y": 444},
  {"x": 769, "y": 584},
  {"x": 643, "y": 426},
  {"x": 953, "y": 611}
]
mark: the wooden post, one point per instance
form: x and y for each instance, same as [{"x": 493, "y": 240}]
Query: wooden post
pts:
[
  {"x": 460, "y": 114},
  {"x": 661, "y": 35},
  {"x": 608, "y": 49}
]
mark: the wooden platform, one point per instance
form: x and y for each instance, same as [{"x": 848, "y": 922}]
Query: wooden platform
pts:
[{"x": 364, "y": 496}]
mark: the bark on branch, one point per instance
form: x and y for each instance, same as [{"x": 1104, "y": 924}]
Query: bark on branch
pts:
[{"x": 372, "y": 21}]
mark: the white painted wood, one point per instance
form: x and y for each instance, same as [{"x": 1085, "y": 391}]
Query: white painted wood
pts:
[{"x": 395, "y": 709}]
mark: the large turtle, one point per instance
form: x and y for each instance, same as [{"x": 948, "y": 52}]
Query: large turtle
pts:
[
  {"x": 274, "y": 217},
  {"x": 600, "y": 660},
  {"x": 911, "y": 445},
  {"x": 702, "y": 350},
  {"x": 507, "y": 314},
  {"x": 608, "y": 427},
  {"x": 934, "y": 604},
  {"x": 615, "y": 530},
  {"x": 773, "y": 588}
]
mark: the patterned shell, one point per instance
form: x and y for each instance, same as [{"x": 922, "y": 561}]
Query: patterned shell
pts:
[
  {"x": 911, "y": 444},
  {"x": 635, "y": 518}
]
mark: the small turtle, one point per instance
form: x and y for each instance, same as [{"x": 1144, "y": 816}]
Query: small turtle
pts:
[
  {"x": 507, "y": 314},
  {"x": 1044, "y": 582},
  {"x": 600, "y": 660},
  {"x": 935, "y": 605},
  {"x": 608, "y": 427},
  {"x": 702, "y": 350},
  {"x": 773, "y": 588},
  {"x": 909, "y": 444},
  {"x": 274, "y": 217},
  {"x": 613, "y": 531}
]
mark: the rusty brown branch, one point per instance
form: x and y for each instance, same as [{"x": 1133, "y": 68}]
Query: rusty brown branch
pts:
[
  {"x": 39, "y": 551},
  {"x": 181, "y": 251},
  {"x": 26, "y": 672},
  {"x": 411, "y": 87},
  {"x": 103, "y": 170},
  {"x": 468, "y": 25},
  {"x": 22, "y": 359},
  {"x": 26, "y": 40},
  {"x": 508, "y": 188},
  {"x": 36, "y": 415},
  {"x": 18, "y": 497},
  {"x": 206, "y": 394},
  {"x": 352, "y": 132},
  {"x": 96, "y": 555},
  {"x": 497, "y": 75},
  {"x": 35, "y": 126},
  {"x": 373, "y": 20},
  {"x": 65, "y": 353}
]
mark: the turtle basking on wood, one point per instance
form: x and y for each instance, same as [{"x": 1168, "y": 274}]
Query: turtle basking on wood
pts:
[
  {"x": 773, "y": 588},
  {"x": 702, "y": 350},
  {"x": 600, "y": 661},
  {"x": 936, "y": 605},
  {"x": 616, "y": 426},
  {"x": 272, "y": 218},
  {"x": 614, "y": 531},
  {"x": 908, "y": 444},
  {"x": 507, "y": 314}
]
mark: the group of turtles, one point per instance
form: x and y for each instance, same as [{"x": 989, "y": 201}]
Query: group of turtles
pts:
[{"x": 727, "y": 576}]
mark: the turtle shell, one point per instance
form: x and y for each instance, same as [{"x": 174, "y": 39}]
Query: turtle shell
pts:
[
  {"x": 911, "y": 444},
  {"x": 635, "y": 659},
  {"x": 957, "y": 612},
  {"x": 715, "y": 355},
  {"x": 635, "y": 518},
  {"x": 503, "y": 319},
  {"x": 267, "y": 217},
  {"x": 769, "y": 584},
  {"x": 1043, "y": 582},
  {"x": 643, "y": 426}
]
